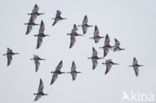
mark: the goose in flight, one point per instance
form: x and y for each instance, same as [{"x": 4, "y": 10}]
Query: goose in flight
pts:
[
  {"x": 73, "y": 71},
  {"x": 96, "y": 35},
  {"x": 136, "y": 66},
  {"x": 57, "y": 72},
  {"x": 9, "y": 55},
  {"x": 57, "y": 17},
  {"x": 30, "y": 24},
  {"x": 117, "y": 46},
  {"x": 41, "y": 35},
  {"x": 73, "y": 36},
  {"x": 94, "y": 58},
  {"x": 40, "y": 92},
  {"x": 109, "y": 64},
  {"x": 85, "y": 24},
  {"x": 36, "y": 60},
  {"x": 35, "y": 11},
  {"x": 106, "y": 46}
]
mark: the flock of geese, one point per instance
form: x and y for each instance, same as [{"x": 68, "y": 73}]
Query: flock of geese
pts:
[{"x": 106, "y": 48}]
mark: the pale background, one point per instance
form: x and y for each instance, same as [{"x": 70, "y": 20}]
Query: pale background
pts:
[{"x": 132, "y": 22}]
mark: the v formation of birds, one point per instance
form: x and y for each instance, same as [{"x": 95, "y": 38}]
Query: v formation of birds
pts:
[{"x": 96, "y": 37}]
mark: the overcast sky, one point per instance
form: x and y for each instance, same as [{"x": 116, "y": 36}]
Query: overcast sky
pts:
[{"x": 132, "y": 22}]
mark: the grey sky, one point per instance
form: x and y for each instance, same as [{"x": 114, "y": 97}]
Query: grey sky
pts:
[{"x": 132, "y": 22}]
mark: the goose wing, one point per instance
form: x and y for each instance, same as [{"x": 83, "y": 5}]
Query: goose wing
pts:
[
  {"x": 96, "y": 40},
  {"x": 55, "y": 21},
  {"x": 135, "y": 61},
  {"x": 37, "y": 64},
  {"x": 117, "y": 43},
  {"x": 39, "y": 42},
  {"x": 42, "y": 27},
  {"x": 37, "y": 97},
  {"x": 29, "y": 29},
  {"x": 84, "y": 28},
  {"x": 59, "y": 66},
  {"x": 58, "y": 13},
  {"x": 74, "y": 29},
  {"x": 106, "y": 51},
  {"x": 94, "y": 63},
  {"x": 108, "y": 67},
  {"x": 136, "y": 70},
  {"x": 54, "y": 77},
  {"x": 74, "y": 75},
  {"x": 107, "y": 40},
  {"x": 72, "y": 41},
  {"x": 41, "y": 86},
  {"x": 73, "y": 67},
  {"x": 36, "y": 8},
  {"x": 9, "y": 58},
  {"x": 85, "y": 20},
  {"x": 96, "y": 31},
  {"x": 94, "y": 53},
  {"x": 32, "y": 18}
]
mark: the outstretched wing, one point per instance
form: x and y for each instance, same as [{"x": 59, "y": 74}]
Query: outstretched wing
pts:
[
  {"x": 37, "y": 97},
  {"x": 59, "y": 66},
  {"x": 74, "y": 76},
  {"x": 96, "y": 31},
  {"x": 41, "y": 86},
  {"x": 9, "y": 58},
  {"x": 32, "y": 18},
  {"x": 117, "y": 43},
  {"x": 73, "y": 68},
  {"x": 29, "y": 29},
  {"x": 85, "y": 20},
  {"x": 106, "y": 51},
  {"x": 107, "y": 40},
  {"x": 94, "y": 63},
  {"x": 39, "y": 42},
  {"x": 37, "y": 64},
  {"x": 94, "y": 53},
  {"x": 54, "y": 78},
  {"x": 97, "y": 40},
  {"x": 135, "y": 61},
  {"x": 108, "y": 67},
  {"x": 136, "y": 70},
  {"x": 42, "y": 27},
  {"x": 58, "y": 13},
  {"x": 84, "y": 28},
  {"x": 74, "y": 29},
  {"x": 55, "y": 21},
  {"x": 36, "y": 8},
  {"x": 72, "y": 41}
]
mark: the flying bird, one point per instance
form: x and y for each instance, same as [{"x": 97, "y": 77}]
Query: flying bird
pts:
[
  {"x": 57, "y": 72},
  {"x": 117, "y": 46},
  {"x": 73, "y": 71},
  {"x": 94, "y": 58},
  {"x": 109, "y": 64},
  {"x": 40, "y": 92},
  {"x": 36, "y": 59},
  {"x": 57, "y": 17},
  {"x": 9, "y": 55},
  {"x": 85, "y": 24},
  {"x": 136, "y": 66},
  {"x": 73, "y": 36},
  {"x": 35, "y": 11},
  {"x": 30, "y": 24},
  {"x": 96, "y": 35},
  {"x": 106, "y": 46},
  {"x": 41, "y": 35}
]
